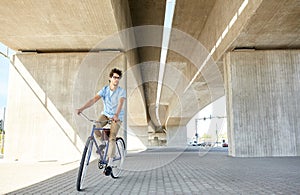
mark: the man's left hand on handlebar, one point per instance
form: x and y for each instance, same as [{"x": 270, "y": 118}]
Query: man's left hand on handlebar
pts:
[
  {"x": 78, "y": 111},
  {"x": 115, "y": 118}
]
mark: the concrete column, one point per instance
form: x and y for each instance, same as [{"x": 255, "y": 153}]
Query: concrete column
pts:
[
  {"x": 263, "y": 102},
  {"x": 44, "y": 91},
  {"x": 137, "y": 137},
  {"x": 176, "y": 136}
]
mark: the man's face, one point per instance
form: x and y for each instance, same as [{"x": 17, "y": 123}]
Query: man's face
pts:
[{"x": 115, "y": 79}]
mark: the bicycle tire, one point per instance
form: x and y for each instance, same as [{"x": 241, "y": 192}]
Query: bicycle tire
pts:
[
  {"x": 117, "y": 165},
  {"x": 84, "y": 164}
]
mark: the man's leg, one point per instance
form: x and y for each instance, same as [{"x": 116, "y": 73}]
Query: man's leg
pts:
[
  {"x": 100, "y": 134},
  {"x": 115, "y": 126}
]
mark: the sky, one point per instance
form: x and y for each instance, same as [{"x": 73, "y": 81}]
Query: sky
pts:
[
  {"x": 209, "y": 126},
  {"x": 4, "y": 72}
]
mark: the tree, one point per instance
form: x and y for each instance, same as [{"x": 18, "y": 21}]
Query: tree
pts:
[
  {"x": 1, "y": 125},
  {"x": 206, "y": 136}
]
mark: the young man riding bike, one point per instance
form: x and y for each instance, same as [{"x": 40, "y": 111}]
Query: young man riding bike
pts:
[{"x": 113, "y": 97}]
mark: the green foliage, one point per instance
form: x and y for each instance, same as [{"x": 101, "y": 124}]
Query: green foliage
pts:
[
  {"x": 1, "y": 124},
  {"x": 206, "y": 136}
]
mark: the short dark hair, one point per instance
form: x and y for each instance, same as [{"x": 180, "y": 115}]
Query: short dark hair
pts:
[{"x": 117, "y": 71}]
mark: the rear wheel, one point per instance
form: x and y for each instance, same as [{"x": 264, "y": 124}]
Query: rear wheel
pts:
[
  {"x": 85, "y": 159},
  {"x": 118, "y": 160}
]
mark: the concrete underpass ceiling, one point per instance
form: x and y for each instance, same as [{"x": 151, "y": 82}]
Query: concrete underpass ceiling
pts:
[
  {"x": 275, "y": 25},
  {"x": 59, "y": 25},
  {"x": 51, "y": 26}
]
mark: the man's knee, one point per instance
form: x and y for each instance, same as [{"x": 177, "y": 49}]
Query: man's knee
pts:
[
  {"x": 98, "y": 134},
  {"x": 112, "y": 137}
]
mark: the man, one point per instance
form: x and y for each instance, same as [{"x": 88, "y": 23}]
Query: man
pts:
[{"x": 113, "y": 99}]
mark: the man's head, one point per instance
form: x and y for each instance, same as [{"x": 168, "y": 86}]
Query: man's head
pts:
[{"x": 115, "y": 76}]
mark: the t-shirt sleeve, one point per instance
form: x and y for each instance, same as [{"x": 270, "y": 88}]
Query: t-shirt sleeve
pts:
[
  {"x": 101, "y": 92},
  {"x": 123, "y": 94}
]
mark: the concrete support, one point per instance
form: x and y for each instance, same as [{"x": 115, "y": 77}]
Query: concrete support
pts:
[
  {"x": 263, "y": 102},
  {"x": 44, "y": 91},
  {"x": 137, "y": 137},
  {"x": 176, "y": 136}
]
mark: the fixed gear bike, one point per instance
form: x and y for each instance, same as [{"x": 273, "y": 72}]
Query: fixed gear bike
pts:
[{"x": 118, "y": 160}]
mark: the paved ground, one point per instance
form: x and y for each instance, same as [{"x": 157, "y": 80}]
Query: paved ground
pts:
[
  {"x": 16, "y": 174},
  {"x": 179, "y": 171}
]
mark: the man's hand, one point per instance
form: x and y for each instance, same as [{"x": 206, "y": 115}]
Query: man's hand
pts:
[
  {"x": 78, "y": 111},
  {"x": 115, "y": 118}
]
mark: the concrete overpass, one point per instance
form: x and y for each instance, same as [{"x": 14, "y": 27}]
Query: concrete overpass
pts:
[{"x": 246, "y": 50}]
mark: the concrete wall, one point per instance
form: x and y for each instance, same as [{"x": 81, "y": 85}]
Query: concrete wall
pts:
[
  {"x": 263, "y": 102},
  {"x": 44, "y": 91},
  {"x": 137, "y": 138},
  {"x": 176, "y": 136}
]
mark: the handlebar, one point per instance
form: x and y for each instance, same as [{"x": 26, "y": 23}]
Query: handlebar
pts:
[{"x": 94, "y": 121}]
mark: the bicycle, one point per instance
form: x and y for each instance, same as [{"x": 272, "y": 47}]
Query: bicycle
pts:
[{"x": 118, "y": 160}]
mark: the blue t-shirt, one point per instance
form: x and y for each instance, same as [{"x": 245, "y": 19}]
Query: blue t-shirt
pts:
[{"x": 111, "y": 101}]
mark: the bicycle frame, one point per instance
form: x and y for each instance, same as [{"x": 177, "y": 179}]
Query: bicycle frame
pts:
[
  {"x": 102, "y": 157},
  {"x": 117, "y": 161}
]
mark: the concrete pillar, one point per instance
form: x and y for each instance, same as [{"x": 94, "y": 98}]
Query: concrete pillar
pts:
[
  {"x": 176, "y": 136},
  {"x": 137, "y": 137},
  {"x": 44, "y": 91},
  {"x": 263, "y": 102}
]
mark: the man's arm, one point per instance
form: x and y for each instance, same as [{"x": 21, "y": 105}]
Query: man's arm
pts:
[
  {"x": 88, "y": 104},
  {"x": 119, "y": 108}
]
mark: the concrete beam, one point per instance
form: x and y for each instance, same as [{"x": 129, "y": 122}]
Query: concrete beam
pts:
[{"x": 274, "y": 25}]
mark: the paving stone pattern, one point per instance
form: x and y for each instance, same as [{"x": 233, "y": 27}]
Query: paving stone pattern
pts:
[{"x": 183, "y": 171}]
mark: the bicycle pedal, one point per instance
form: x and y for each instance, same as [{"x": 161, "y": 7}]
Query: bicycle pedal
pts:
[
  {"x": 101, "y": 161},
  {"x": 101, "y": 164},
  {"x": 107, "y": 171}
]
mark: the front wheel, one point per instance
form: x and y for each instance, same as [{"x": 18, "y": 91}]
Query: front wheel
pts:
[
  {"x": 118, "y": 160},
  {"x": 84, "y": 163}
]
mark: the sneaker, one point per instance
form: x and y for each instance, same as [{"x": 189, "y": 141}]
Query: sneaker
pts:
[{"x": 107, "y": 171}]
